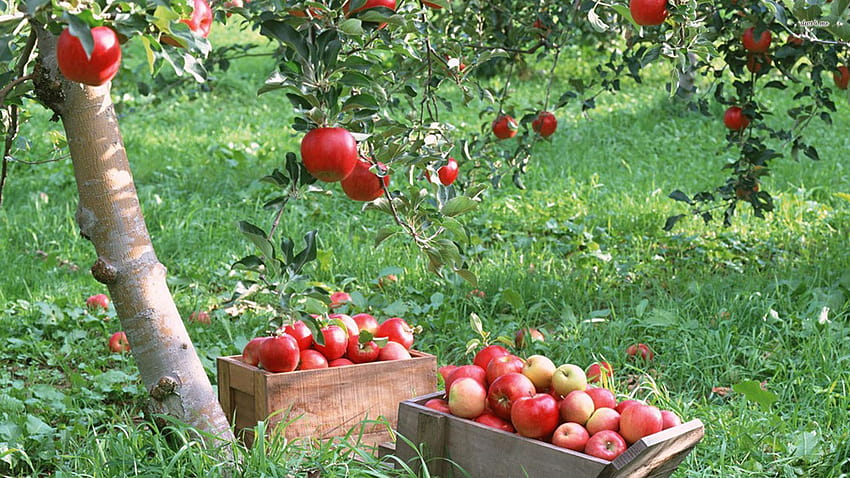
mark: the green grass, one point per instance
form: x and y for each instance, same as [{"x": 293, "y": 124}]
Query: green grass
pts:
[{"x": 580, "y": 254}]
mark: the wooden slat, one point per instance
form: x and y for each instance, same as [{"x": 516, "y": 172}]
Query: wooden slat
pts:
[{"x": 224, "y": 388}]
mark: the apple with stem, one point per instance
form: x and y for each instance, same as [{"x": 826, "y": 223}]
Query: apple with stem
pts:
[
  {"x": 504, "y": 392},
  {"x": 568, "y": 377},
  {"x": 540, "y": 369},
  {"x": 95, "y": 69},
  {"x": 570, "y": 435},
  {"x": 606, "y": 445},
  {"x": 118, "y": 343}
]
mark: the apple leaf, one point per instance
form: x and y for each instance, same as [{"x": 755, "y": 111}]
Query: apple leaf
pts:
[
  {"x": 458, "y": 205},
  {"x": 753, "y": 392},
  {"x": 351, "y": 27},
  {"x": 468, "y": 276},
  {"x": 82, "y": 31},
  {"x": 258, "y": 237}
]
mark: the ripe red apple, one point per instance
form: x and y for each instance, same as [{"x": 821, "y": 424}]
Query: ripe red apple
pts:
[
  {"x": 626, "y": 404},
  {"x": 756, "y": 43},
  {"x": 643, "y": 350},
  {"x": 491, "y": 420},
  {"x": 97, "y": 301},
  {"x": 280, "y": 354},
  {"x": 200, "y": 316},
  {"x": 639, "y": 421},
  {"x": 648, "y": 13},
  {"x": 606, "y": 444},
  {"x": 351, "y": 327},
  {"x": 336, "y": 342},
  {"x": 568, "y": 377},
  {"x": 602, "y": 397},
  {"x": 329, "y": 154},
  {"x": 603, "y": 419},
  {"x": 200, "y": 22},
  {"x": 362, "y": 352},
  {"x": 366, "y": 322},
  {"x": 364, "y": 185},
  {"x": 251, "y": 351},
  {"x": 506, "y": 390},
  {"x": 393, "y": 351},
  {"x": 338, "y": 299},
  {"x": 118, "y": 343},
  {"x": 467, "y": 398},
  {"x": 503, "y": 365},
  {"x": 594, "y": 371},
  {"x": 397, "y": 330},
  {"x": 93, "y": 70},
  {"x": 757, "y": 61},
  {"x": 439, "y": 404},
  {"x": 300, "y": 332},
  {"x": 473, "y": 371},
  {"x": 448, "y": 173},
  {"x": 540, "y": 369},
  {"x": 484, "y": 356},
  {"x": 577, "y": 406},
  {"x": 570, "y": 435},
  {"x": 340, "y": 362},
  {"x": 447, "y": 370},
  {"x": 545, "y": 124},
  {"x": 841, "y": 77},
  {"x": 536, "y": 416},
  {"x": 310, "y": 359},
  {"x": 669, "y": 419},
  {"x": 519, "y": 337},
  {"x": 505, "y": 127}
]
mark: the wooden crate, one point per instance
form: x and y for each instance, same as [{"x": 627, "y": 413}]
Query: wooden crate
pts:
[
  {"x": 449, "y": 444},
  {"x": 324, "y": 403}
]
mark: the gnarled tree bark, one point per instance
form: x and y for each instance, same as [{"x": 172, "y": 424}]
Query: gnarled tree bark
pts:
[{"x": 109, "y": 214}]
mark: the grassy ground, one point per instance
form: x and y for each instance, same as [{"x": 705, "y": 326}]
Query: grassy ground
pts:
[{"x": 580, "y": 254}]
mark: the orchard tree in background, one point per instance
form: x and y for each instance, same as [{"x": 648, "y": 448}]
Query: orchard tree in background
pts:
[{"x": 385, "y": 73}]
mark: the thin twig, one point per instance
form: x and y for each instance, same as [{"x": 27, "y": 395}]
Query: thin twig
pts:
[{"x": 7, "y": 149}]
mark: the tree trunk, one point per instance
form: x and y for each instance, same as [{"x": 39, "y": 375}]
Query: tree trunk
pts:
[{"x": 110, "y": 216}]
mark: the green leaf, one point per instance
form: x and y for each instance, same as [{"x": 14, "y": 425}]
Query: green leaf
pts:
[
  {"x": 307, "y": 254},
  {"x": 456, "y": 229},
  {"x": 309, "y": 305},
  {"x": 384, "y": 233},
  {"x": 81, "y": 30},
  {"x": 286, "y": 35},
  {"x": 753, "y": 392},
  {"x": 458, "y": 205},
  {"x": 477, "y": 325},
  {"x": 513, "y": 298},
  {"x": 468, "y": 276},
  {"x": 351, "y": 27},
  {"x": 258, "y": 237}
]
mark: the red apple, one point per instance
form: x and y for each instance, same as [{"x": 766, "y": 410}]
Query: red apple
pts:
[
  {"x": 648, "y": 13},
  {"x": 595, "y": 371},
  {"x": 329, "y": 154},
  {"x": 200, "y": 316},
  {"x": 364, "y": 185},
  {"x": 438, "y": 404},
  {"x": 536, "y": 416},
  {"x": 576, "y": 407},
  {"x": 338, "y": 299},
  {"x": 570, "y": 435},
  {"x": 340, "y": 362},
  {"x": 397, "y": 330},
  {"x": 473, "y": 371},
  {"x": 311, "y": 359},
  {"x": 448, "y": 173},
  {"x": 540, "y": 370},
  {"x": 735, "y": 120},
  {"x": 639, "y": 421},
  {"x": 350, "y": 325},
  {"x": 491, "y": 420},
  {"x": 366, "y": 322},
  {"x": 200, "y": 22},
  {"x": 447, "y": 370},
  {"x": 467, "y": 398},
  {"x": 336, "y": 342},
  {"x": 641, "y": 350},
  {"x": 669, "y": 419},
  {"x": 300, "y": 332},
  {"x": 756, "y": 43},
  {"x": 602, "y": 397},
  {"x": 393, "y": 351},
  {"x": 506, "y": 390},
  {"x": 545, "y": 124},
  {"x": 603, "y": 419},
  {"x": 484, "y": 356},
  {"x": 251, "y": 351},
  {"x": 94, "y": 70},
  {"x": 504, "y": 127},
  {"x": 841, "y": 77},
  {"x": 519, "y": 337},
  {"x": 626, "y": 404},
  {"x": 606, "y": 444},
  {"x": 503, "y": 365},
  {"x": 359, "y": 351},
  {"x": 280, "y": 354},
  {"x": 118, "y": 343},
  {"x": 97, "y": 301}
]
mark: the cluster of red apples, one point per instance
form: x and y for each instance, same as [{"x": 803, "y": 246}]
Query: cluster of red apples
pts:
[
  {"x": 101, "y": 65},
  {"x": 348, "y": 340},
  {"x": 557, "y": 404},
  {"x": 506, "y": 127}
]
